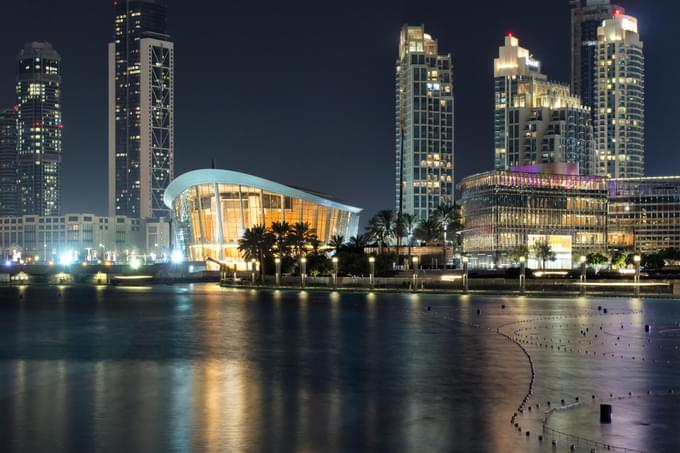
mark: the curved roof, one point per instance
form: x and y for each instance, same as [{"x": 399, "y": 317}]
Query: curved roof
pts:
[{"x": 211, "y": 176}]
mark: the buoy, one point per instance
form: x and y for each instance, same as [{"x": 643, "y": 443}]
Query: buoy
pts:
[{"x": 605, "y": 413}]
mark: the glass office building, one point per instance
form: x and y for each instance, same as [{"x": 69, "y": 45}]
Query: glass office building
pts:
[
  {"x": 8, "y": 163},
  {"x": 213, "y": 208},
  {"x": 644, "y": 214},
  {"x": 39, "y": 129},
  {"x": 504, "y": 211},
  {"x": 424, "y": 125}
]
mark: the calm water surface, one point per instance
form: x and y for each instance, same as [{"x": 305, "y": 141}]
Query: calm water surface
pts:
[{"x": 200, "y": 368}]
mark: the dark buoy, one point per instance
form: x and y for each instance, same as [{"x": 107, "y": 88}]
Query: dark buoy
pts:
[
  {"x": 605, "y": 413},
  {"x": 599, "y": 308},
  {"x": 503, "y": 306},
  {"x": 605, "y": 311},
  {"x": 479, "y": 311},
  {"x": 429, "y": 308},
  {"x": 540, "y": 438},
  {"x": 647, "y": 328}
]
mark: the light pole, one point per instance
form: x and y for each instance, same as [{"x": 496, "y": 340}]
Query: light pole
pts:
[
  {"x": 252, "y": 270},
  {"x": 522, "y": 274},
  {"x": 303, "y": 271},
  {"x": 335, "y": 272},
  {"x": 637, "y": 259},
  {"x": 415, "y": 273},
  {"x": 277, "y": 261},
  {"x": 583, "y": 275},
  {"x": 466, "y": 260},
  {"x": 371, "y": 278}
]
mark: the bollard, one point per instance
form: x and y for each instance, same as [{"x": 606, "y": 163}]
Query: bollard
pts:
[{"x": 605, "y": 413}]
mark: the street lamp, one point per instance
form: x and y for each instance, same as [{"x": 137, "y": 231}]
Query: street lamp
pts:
[
  {"x": 522, "y": 274},
  {"x": 371, "y": 279},
  {"x": 415, "y": 273},
  {"x": 466, "y": 260},
  {"x": 277, "y": 261},
  {"x": 335, "y": 272},
  {"x": 637, "y": 259},
  {"x": 252, "y": 269},
  {"x": 303, "y": 271},
  {"x": 583, "y": 275}
]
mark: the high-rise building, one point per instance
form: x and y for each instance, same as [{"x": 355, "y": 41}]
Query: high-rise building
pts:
[
  {"x": 39, "y": 129},
  {"x": 424, "y": 125},
  {"x": 8, "y": 163},
  {"x": 586, "y": 17},
  {"x": 141, "y": 109},
  {"x": 620, "y": 98},
  {"x": 537, "y": 121}
]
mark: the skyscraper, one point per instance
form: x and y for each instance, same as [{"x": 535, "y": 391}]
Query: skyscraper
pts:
[
  {"x": 424, "y": 125},
  {"x": 586, "y": 17},
  {"x": 141, "y": 109},
  {"x": 620, "y": 98},
  {"x": 537, "y": 121},
  {"x": 8, "y": 163},
  {"x": 39, "y": 129}
]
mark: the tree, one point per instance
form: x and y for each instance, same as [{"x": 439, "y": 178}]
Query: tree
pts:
[
  {"x": 518, "y": 252},
  {"x": 337, "y": 242},
  {"x": 357, "y": 242},
  {"x": 596, "y": 259},
  {"x": 654, "y": 261},
  {"x": 445, "y": 215},
  {"x": 381, "y": 228},
  {"x": 543, "y": 252},
  {"x": 299, "y": 236},
  {"x": 429, "y": 230},
  {"x": 409, "y": 224},
  {"x": 280, "y": 230},
  {"x": 255, "y": 244},
  {"x": 618, "y": 260}
]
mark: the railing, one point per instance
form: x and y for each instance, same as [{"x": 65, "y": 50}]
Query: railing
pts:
[{"x": 582, "y": 441}]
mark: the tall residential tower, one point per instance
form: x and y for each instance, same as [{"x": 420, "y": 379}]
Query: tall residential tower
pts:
[
  {"x": 586, "y": 17},
  {"x": 620, "y": 98},
  {"x": 39, "y": 129},
  {"x": 141, "y": 109},
  {"x": 8, "y": 163},
  {"x": 537, "y": 121},
  {"x": 424, "y": 125}
]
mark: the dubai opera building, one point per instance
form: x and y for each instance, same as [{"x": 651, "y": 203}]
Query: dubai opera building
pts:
[{"x": 212, "y": 208}]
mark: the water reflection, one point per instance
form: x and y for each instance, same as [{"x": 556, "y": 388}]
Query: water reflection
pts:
[{"x": 129, "y": 369}]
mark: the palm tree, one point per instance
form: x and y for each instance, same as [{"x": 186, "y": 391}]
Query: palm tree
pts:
[
  {"x": 429, "y": 230},
  {"x": 337, "y": 241},
  {"x": 445, "y": 215},
  {"x": 357, "y": 242},
  {"x": 281, "y": 231},
  {"x": 544, "y": 252},
  {"x": 255, "y": 244},
  {"x": 380, "y": 228},
  {"x": 409, "y": 224},
  {"x": 300, "y": 235},
  {"x": 315, "y": 242}
]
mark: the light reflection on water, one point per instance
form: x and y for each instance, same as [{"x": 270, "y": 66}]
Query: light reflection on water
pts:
[{"x": 200, "y": 368}]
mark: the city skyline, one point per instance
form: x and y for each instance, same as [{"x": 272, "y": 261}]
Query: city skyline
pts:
[{"x": 199, "y": 141}]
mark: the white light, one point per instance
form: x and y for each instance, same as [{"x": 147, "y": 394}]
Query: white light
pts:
[
  {"x": 66, "y": 259},
  {"x": 135, "y": 264},
  {"x": 176, "y": 257}
]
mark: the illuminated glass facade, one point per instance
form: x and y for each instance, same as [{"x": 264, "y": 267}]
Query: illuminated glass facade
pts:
[
  {"x": 8, "y": 163},
  {"x": 424, "y": 125},
  {"x": 537, "y": 121},
  {"x": 620, "y": 99},
  {"x": 213, "y": 208},
  {"x": 141, "y": 109},
  {"x": 502, "y": 210},
  {"x": 644, "y": 214},
  {"x": 39, "y": 129}
]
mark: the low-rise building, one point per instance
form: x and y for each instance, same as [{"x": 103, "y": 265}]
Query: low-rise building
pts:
[
  {"x": 644, "y": 214},
  {"x": 506, "y": 212}
]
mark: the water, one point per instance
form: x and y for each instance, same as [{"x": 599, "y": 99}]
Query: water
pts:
[{"x": 201, "y": 368}]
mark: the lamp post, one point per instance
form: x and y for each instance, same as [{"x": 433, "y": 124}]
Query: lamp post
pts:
[
  {"x": 303, "y": 271},
  {"x": 335, "y": 272},
  {"x": 637, "y": 259},
  {"x": 583, "y": 275},
  {"x": 371, "y": 278},
  {"x": 252, "y": 269},
  {"x": 522, "y": 274},
  {"x": 466, "y": 260},
  {"x": 277, "y": 261},
  {"x": 415, "y": 273}
]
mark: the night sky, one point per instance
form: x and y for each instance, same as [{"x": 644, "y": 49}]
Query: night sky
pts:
[{"x": 303, "y": 92}]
